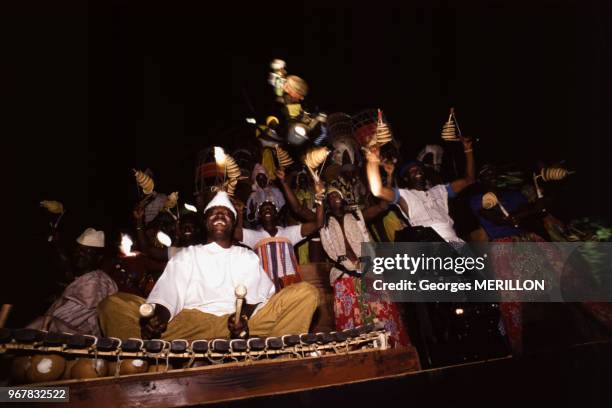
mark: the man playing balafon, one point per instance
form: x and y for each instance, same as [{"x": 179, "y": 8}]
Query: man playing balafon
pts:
[{"x": 195, "y": 296}]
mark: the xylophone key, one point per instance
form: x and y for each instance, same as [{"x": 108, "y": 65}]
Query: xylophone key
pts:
[
  {"x": 308, "y": 338},
  {"x": 256, "y": 344},
  {"x": 274, "y": 343},
  {"x": 28, "y": 335},
  {"x": 6, "y": 335},
  {"x": 179, "y": 346},
  {"x": 55, "y": 339},
  {"x": 339, "y": 337},
  {"x": 199, "y": 346},
  {"x": 78, "y": 341},
  {"x": 107, "y": 344},
  {"x": 351, "y": 333},
  {"x": 238, "y": 345},
  {"x": 154, "y": 346},
  {"x": 220, "y": 346},
  {"x": 132, "y": 345},
  {"x": 324, "y": 338},
  {"x": 291, "y": 340}
]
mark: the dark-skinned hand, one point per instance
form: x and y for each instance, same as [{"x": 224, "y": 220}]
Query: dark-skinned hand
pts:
[
  {"x": 238, "y": 330},
  {"x": 156, "y": 325}
]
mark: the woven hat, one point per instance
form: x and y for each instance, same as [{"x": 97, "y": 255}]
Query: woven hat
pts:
[
  {"x": 91, "y": 238},
  {"x": 221, "y": 199}
]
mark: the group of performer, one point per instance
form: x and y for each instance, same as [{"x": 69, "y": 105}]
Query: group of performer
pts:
[{"x": 189, "y": 287}]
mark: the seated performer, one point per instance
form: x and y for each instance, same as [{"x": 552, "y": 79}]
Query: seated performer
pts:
[
  {"x": 75, "y": 310},
  {"x": 273, "y": 243},
  {"x": 423, "y": 206},
  {"x": 195, "y": 296}
]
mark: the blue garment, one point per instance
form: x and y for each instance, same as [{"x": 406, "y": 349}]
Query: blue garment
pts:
[{"x": 512, "y": 202}]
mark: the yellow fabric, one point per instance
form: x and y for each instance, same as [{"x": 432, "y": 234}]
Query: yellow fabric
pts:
[
  {"x": 287, "y": 312},
  {"x": 392, "y": 224},
  {"x": 267, "y": 161},
  {"x": 294, "y": 109},
  {"x": 303, "y": 252}
]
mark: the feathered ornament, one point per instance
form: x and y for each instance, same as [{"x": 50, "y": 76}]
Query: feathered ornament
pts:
[
  {"x": 171, "y": 201},
  {"x": 314, "y": 158},
  {"x": 383, "y": 133},
  {"x": 144, "y": 182},
  {"x": 54, "y": 207},
  {"x": 451, "y": 129},
  {"x": 554, "y": 173},
  {"x": 549, "y": 174},
  {"x": 284, "y": 160},
  {"x": 230, "y": 169},
  {"x": 490, "y": 200}
]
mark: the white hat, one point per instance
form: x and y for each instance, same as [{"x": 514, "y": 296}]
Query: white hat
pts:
[
  {"x": 92, "y": 238},
  {"x": 221, "y": 199}
]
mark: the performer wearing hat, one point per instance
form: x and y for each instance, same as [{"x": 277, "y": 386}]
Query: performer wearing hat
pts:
[
  {"x": 274, "y": 243},
  {"x": 423, "y": 206},
  {"x": 75, "y": 310},
  {"x": 195, "y": 296},
  {"x": 262, "y": 191}
]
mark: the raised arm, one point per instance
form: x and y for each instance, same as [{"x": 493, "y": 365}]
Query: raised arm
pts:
[
  {"x": 375, "y": 210},
  {"x": 389, "y": 168},
  {"x": 374, "y": 179},
  {"x": 470, "y": 170},
  {"x": 311, "y": 227},
  {"x": 303, "y": 213},
  {"x": 155, "y": 253},
  {"x": 239, "y": 206}
]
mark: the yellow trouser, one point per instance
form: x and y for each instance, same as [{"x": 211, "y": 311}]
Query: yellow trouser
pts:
[{"x": 287, "y": 312}]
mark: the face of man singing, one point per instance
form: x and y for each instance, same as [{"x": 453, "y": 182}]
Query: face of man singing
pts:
[
  {"x": 335, "y": 201},
  {"x": 268, "y": 213},
  {"x": 219, "y": 223},
  {"x": 416, "y": 178}
]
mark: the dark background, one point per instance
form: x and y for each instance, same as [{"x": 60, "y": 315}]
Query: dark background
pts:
[{"x": 96, "y": 89}]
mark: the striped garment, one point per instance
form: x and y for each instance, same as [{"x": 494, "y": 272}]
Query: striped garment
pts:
[{"x": 276, "y": 253}]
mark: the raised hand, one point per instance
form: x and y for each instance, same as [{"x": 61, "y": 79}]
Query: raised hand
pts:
[
  {"x": 467, "y": 143},
  {"x": 372, "y": 154}
]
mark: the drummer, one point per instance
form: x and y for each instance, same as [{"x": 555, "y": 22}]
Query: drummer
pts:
[{"x": 273, "y": 242}]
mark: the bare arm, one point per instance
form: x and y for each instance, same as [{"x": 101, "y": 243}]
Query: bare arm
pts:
[
  {"x": 374, "y": 179},
  {"x": 294, "y": 203},
  {"x": 310, "y": 228},
  {"x": 239, "y": 206},
  {"x": 389, "y": 168},
  {"x": 375, "y": 210},
  {"x": 470, "y": 170},
  {"x": 155, "y": 253}
]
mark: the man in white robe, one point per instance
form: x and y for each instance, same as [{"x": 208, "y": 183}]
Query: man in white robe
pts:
[{"x": 194, "y": 298}]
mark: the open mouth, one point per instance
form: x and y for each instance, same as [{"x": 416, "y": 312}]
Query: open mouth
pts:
[{"x": 221, "y": 223}]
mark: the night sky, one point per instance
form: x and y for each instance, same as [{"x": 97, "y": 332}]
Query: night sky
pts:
[{"x": 97, "y": 89}]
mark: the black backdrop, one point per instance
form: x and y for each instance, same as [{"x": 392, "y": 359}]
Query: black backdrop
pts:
[{"x": 94, "y": 89}]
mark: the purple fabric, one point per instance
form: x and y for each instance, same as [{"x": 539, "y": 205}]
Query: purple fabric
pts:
[{"x": 75, "y": 310}]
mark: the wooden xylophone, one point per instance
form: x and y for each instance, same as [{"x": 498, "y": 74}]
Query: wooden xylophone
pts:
[{"x": 41, "y": 356}]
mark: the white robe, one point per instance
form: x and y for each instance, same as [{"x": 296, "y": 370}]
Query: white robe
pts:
[
  {"x": 204, "y": 277},
  {"x": 429, "y": 208}
]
